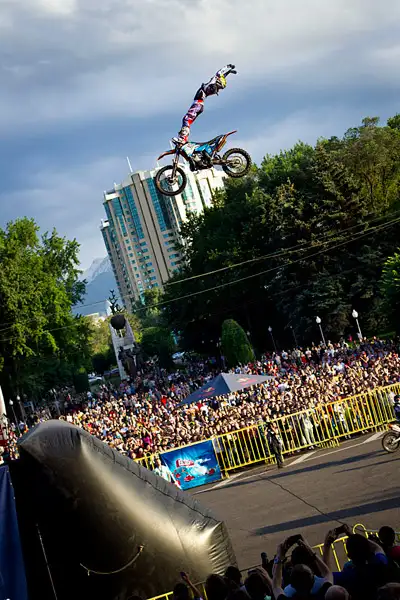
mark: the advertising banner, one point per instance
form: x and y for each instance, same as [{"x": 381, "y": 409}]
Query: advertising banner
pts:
[{"x": 193, "y": 465}]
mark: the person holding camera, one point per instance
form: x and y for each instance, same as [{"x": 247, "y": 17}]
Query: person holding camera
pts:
[{"x": 303, "y": 583}]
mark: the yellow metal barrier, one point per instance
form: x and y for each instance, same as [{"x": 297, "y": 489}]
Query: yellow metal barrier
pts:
[
  {"x": 148, "y": 461},
  {"x": 368, "y": 532},
  {"x": 322, "y": 426},
  {"x": 338, "y": 551}
]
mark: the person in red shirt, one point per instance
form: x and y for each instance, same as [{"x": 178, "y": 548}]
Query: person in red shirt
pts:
[{"x": 387, "y": 537}]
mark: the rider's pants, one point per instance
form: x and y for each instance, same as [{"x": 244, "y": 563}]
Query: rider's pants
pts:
[{"x": 194, "y": 111}]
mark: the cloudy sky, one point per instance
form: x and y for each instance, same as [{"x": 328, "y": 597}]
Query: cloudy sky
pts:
[{"x": 86, "y": 83}]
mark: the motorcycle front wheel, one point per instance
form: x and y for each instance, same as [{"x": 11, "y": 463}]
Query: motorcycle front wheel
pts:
[
  {"x": 236, "y": 162},
  {"x": 168, "y": 185},
  {"x": 390, "y": 442}
]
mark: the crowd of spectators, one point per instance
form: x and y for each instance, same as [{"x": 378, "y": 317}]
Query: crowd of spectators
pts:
[
  {"x": 144, "y": 416},
  {"x": 372, "y": 572}
]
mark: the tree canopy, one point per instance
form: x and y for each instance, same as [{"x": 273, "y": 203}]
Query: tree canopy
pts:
[
  {"x": 235, "y": 344},
  {"x": 306, "y": 233},
  {"x": 41, "y": 343},
  {"x": 390, "y": 285}
]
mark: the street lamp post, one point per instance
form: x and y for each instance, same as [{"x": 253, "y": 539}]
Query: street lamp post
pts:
[
  {"x": 22, "y": 410},
  {"x": 272, "y": 337},
  {"x": 318, "y": 321},
  {"x": 294, "y": 335},
  {"x": 221, "y": 357},
  {"x": 11, "y": 403},
  {"x": 249, "y": 338},
  {"x": 354, "y": 314}
]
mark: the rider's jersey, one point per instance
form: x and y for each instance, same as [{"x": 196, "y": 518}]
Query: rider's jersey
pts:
[{"x": 216, "y": 83}]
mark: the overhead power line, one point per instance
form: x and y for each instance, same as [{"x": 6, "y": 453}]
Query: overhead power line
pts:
[
  {"x": 352, "y": 238},
  {"x": 276, "y": 253}
]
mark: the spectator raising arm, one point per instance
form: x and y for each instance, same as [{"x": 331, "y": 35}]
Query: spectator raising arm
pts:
[
  {"x": 330, "y": 538},
  {"x": 191, "y": 586},
  {"x": 322, "y": 566},
  {"x": 280, "y": 558}
]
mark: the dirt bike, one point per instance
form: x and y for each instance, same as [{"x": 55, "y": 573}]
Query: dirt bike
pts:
[
  {"x": 171, "y": 180},
  {"x": 391, "y": 439}
]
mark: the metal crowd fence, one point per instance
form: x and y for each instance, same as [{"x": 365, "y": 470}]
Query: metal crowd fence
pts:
[
  {"x": 338, "y": 551},
  {"x": 322, "y": 426},
  {"x": 339, "y": 546}
]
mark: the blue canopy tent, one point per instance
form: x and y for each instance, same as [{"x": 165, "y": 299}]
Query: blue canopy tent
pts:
[{"x": 223, "y": 384}]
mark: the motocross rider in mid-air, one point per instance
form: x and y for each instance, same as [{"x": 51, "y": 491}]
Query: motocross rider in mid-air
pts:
[{"x": 216, "y": 83}]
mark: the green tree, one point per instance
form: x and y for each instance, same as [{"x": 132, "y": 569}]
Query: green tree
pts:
[
  {"x": 81, "y": 381},
  {"x": 41, "y": 343},
  {"x": 100, "y": 338},
  {"x": 390, "y": 285},
  {"x": 373, "y": 155},
  {"x": 235, "y": 344},
  {"x": 320, "y": 222},
  {"x": 146, "y": 311},
  {"x": 158, "y": 341},
  {"x": 103, "y": 356}
]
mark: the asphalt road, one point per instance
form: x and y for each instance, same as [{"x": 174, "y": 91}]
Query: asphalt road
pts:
[{"x": 355, "y": 483}]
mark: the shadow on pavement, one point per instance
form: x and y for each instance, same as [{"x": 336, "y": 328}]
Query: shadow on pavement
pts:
[
  {"x": 383, "y": 462},
  {"x": 286, "y": 473},
  {"x": 338, "y": 515}
]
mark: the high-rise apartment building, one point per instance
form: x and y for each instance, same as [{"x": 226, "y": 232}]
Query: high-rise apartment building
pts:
[{"x": 142, "y": 228}]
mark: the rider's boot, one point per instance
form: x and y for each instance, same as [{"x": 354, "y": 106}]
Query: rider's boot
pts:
[
  {"x": 178, "y": 141},
  {"x": 183, "y": 136}
]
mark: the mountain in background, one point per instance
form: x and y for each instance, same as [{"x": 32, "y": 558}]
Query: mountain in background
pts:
[{"x": 99, "y": 281}]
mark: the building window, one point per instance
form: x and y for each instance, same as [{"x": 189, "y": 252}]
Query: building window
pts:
[
  {"x": 117, "y": 207},
  {"x": 134, "y": 212},
  {"x": 159, "y": 206}
]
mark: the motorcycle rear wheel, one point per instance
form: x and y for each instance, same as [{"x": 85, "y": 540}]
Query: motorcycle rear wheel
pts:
[
  {"x": 165, "y": 185},
  {"x": 236, "y": 162},
  {"x": 390, "y": 442}
]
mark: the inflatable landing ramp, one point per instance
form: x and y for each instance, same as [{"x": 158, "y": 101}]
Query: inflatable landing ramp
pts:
[{"x": 109, "y": 528}]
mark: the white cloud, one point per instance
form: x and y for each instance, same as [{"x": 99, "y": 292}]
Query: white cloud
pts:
[
  {"x": 306, "y": 126},
  {"x": 71, "y": 201},
  {"x": 60, "y": 8},
  {"x": 70, "y": 63},
  {"x": 74, "y": 60}
]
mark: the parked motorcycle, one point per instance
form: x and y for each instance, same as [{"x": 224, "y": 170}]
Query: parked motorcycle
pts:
[
  {"x": 391, "y": 439},
  {"x": 171, "y": 180}
]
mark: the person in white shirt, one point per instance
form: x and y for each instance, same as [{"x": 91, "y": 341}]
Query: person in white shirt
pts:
[{"x": 163, "y": 471}]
